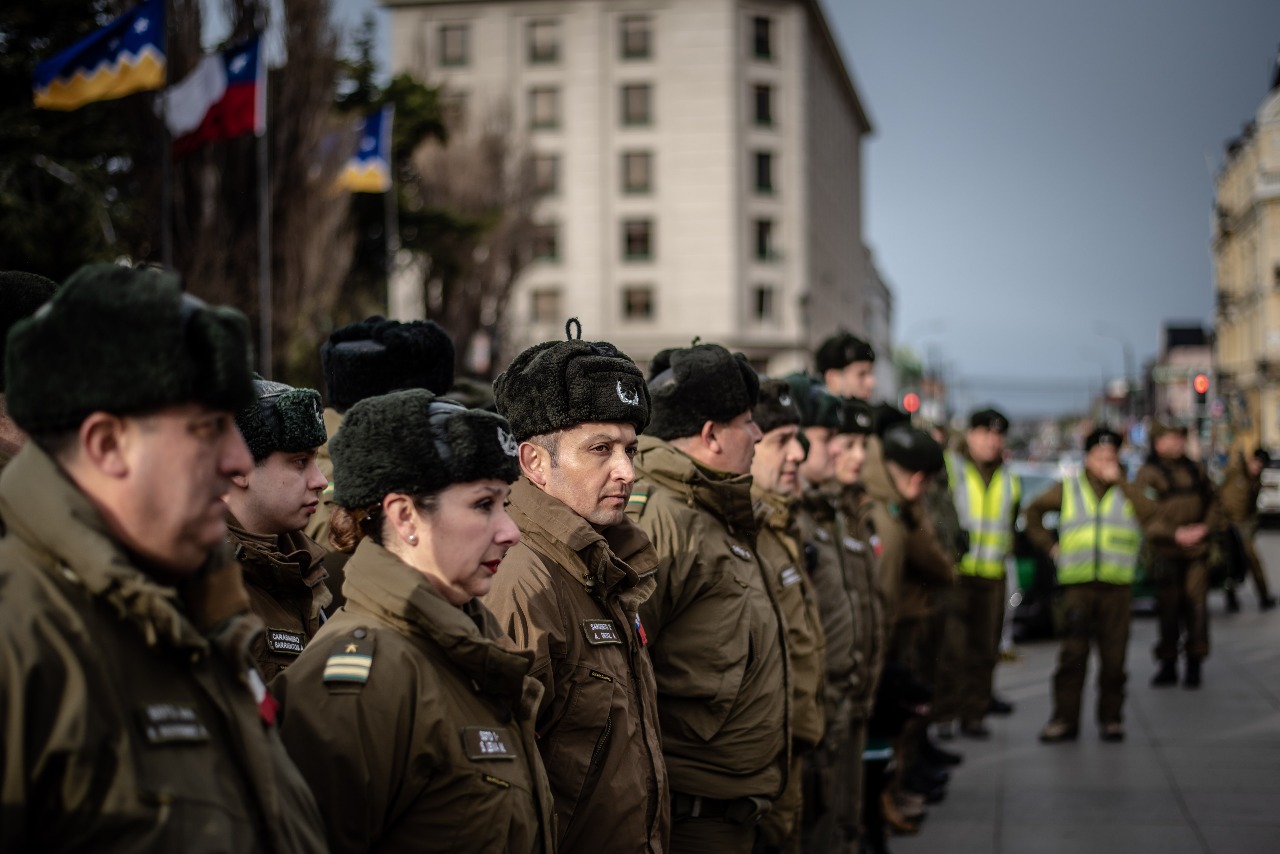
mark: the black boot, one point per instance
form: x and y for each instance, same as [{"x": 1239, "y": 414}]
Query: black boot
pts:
[
  {"x": 1166, "y": 675},
  {"x": 1191, "y": 679},
  {"x": 937, "y": 755},
  {"x": 1266, "y": 603}
]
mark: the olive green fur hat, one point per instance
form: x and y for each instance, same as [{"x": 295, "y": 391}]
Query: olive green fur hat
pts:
[
  {"x": 776, "y": 406},
  {"x": 818, "y": 407},
  {"x": 20, "y": 295},
  {"x": 415, "y": 443},
  {"x": 560, "y": 384},
  {"x": 377, "y": 356},
  {"x": 689, "y": 386},
  {"x": 125, "y": 341},
  {"x": 283, "y": 418}
]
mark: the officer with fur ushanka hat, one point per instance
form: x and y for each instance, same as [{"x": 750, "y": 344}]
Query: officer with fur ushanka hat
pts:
[
  {"x": 691, "y": 386},
  {"x": 846, "y": 364},
  {"x": 576, "y": 407},
  {"x": 268, "y": 507}
]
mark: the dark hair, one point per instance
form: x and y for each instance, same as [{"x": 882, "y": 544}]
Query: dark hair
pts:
[{"x": 348, "y": 527}]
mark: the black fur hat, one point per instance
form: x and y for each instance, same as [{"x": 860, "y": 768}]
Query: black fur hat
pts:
[
  {"x": 776, "y": 406},
  {"x": 991, "y": 419},
  {"x": 559, "y": 384},
  {"x": 20, "y": 295},
  {"x": 841, "y": 350},
  {"x": 126, "y": 341},
  {"x": 913, "y": 449},
  {"x": 416, "y": 443},
  {"x": 690, "y": 386},
  {"x": 376, "y": 356},
  {"x": 1103, "y": 436},
  {"x": 886, "y": 415},
  {"x": 856, "y": 417},
  {"x": 283, "y": 418}
]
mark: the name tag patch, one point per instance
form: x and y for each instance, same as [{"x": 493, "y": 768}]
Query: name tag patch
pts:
[
  {"x": 854, "y": 546},
  {"x": 285, "y": 641},
  {"x": 822, "y": 535},
  {"x": 739, "y": 551},
  {"x": 483, "y": 743},
  {"x": 789, "y": 576},
  {"x": 601, "y": 632},
  {"x": 172, "y": 723}
]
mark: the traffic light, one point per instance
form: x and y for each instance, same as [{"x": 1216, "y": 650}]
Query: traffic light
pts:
[
  {"x": 911, "y": 403},
  {"x": 1200, "y": 385}
]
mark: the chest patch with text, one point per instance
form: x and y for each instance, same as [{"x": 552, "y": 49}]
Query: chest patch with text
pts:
[
  {"x": 483, "y": 743},
  {"x": 601, "y": 632},
  {"x": 285, "y": 642},
  {"x": 172, "y": 723}
]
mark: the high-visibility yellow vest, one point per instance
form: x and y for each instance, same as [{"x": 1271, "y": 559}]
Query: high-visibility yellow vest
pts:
[
  {"x": 1097, "y": 540},
  {"x": 986, "y": 512}
]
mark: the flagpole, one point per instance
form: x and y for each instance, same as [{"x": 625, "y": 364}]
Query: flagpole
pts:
[
  {"x": 166, "y": 162},
  {"x": 264, "y": 244}
]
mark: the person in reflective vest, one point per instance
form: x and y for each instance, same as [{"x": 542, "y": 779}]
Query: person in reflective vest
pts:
[
  {"x": 1099, "y": 535},
  {"x": 987, "y": 496}
]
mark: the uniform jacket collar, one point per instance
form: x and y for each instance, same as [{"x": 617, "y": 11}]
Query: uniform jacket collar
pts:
[
  {"x": 382, "y": 584},
  {"x": 44, "y": 508},
  {"x": 615, "y": 561},
  {"x": 725, "y": 496},
  {"x": 290, "y": 564},
  {"x": 773, "y": 510}
]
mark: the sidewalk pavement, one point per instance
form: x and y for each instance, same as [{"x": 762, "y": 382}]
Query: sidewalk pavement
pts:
[{"x": 1199, "y": 771}]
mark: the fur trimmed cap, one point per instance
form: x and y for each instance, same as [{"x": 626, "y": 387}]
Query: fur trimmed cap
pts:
[
  {"x": 20, "y": 295},
  {"x": 283, "y": 418},
  {"x": 689, "y": 386},
  {"x": 376, "y": 356},
  {"x": 818, "y": 407},
  {"x": 856, "y": 417},
  {"x": 840, "y": 351},
  {"x": 126, "y": 341},
  {"x": 559, "y": 384},
  {"x": 990, "y": 419},
  {"x": 416, "y": 443},
  {"x": 776, "y": 406},
  {"x": 913, "y": 449}
]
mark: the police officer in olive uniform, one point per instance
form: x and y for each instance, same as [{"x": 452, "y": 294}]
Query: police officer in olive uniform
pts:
[
  {"x": 569, "y": 591},
  {"x": 1099, "y": 535},
  {"x": 268, "y": 507},
  {"x": 846, "y": 365},
  {"x": 410, "y": 713},
  {"x": 716, "y": 635},
  {"x": 134, "y": 718},
  {"x": 1177, "y": 534},
  {"x": 775, "y": 473},
  {"x": 20, "y": 295}
]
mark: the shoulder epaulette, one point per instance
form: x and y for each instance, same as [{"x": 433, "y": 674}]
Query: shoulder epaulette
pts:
[
  {"x": 350, "y": 660},
  {"x": 638, "y": 501}
]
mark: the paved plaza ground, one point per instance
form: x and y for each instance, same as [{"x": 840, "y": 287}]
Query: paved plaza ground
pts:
[{"x": 1198, "y": 774}]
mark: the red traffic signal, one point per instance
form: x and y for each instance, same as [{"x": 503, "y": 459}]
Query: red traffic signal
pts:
[
  {"x": 1201, "y": 384},
  {"x": 911, "y": 402}
]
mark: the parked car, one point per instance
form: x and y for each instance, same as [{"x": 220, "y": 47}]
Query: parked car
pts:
[{"x": 1037, "y": 611}]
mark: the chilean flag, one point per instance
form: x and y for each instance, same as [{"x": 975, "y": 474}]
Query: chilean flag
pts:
[{"x": 225, "y": 96}]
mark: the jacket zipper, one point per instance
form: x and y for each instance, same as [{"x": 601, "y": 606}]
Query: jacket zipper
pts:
[{"x": 600, "y": 745}]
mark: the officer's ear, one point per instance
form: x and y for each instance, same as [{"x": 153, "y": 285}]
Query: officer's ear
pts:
[
  {"x": 709, "y": 434},
  {"x": 103, "y": 442},
  {"x": 534, "y": 462}
]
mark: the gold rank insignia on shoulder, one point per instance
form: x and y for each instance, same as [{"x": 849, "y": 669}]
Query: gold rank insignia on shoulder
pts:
[{"x": 350, "y": 660}]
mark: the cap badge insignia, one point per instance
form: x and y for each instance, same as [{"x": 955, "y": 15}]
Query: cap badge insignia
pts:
[
  {"x": 784, "y": 400},
  {"x": 863, "y": 420},
  {"x": 631, "y": 398},
  {"x": 509, "y": 445}
]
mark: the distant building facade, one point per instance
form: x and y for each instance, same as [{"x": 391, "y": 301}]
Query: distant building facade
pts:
[
  {"x": 1246, "y": 254},
  {"x": 699, "y": 164}
]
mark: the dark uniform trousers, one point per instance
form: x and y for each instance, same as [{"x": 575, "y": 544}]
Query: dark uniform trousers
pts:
[
  {"x": 1096, "y": 613},
  {"x": 1182, "y": 590},
  {"x": 979, "y": 603},
  {"x": 1247, "y": 531}
]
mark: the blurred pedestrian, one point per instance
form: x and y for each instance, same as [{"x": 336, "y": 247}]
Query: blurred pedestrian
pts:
[
  {"x": 20, "y": 295},
  {"x": 570, "y": 590},
  {"x": 134, "y": 718},
  {"x": 1239, "y": 494},
  {"x": 409, "y": 713}
]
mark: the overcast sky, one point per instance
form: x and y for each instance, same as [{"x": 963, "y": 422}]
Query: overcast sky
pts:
[{"x": 1042, "y": 172}]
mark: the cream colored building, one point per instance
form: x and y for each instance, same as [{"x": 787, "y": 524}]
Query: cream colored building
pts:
[
  {"x": 701, "y": 162},
  {"x": 1246, "y": 252}
]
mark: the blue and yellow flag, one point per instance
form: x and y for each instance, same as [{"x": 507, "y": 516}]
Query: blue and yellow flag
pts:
[
  {"x": 369, "y": 170},
  {"x": 125, "y": 56}
]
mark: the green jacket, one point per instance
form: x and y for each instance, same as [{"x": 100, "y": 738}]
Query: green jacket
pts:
[
  {"x": 412, "y": 720},
  {"x": 285, "y": 577},
  {"x": 569, "y": 593},
  {"x": 782, "y": 555},
  {"x": 133, "y": 717},
  {"x": 1183, "y": 495},
  {"x": 716, "y": 634}
]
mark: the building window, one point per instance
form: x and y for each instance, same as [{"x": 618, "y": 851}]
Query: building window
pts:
[
  {"x": 546, "y": 174},
  {"x": 764, "y": 240},
  {"x": 637, "y": 172},
  {"x": 637, "y": 239},
  {"x": 762, "y": 38},
  {"x": 637, "y": 104},
  {"x": 764, "y": 105},
  {"x": 544, "y": 107},
  {"x": 634, "y": 35},
  {"x": 764, "y": 172},
  {"x": 454, "y": 45},
  {"x": 546, "y": 242},
  {"x": 544, "y": 42},
  {"x": 453, "y": 111},
  {"x": 637, "y": 303},
  {"x": 762, "y": 303},
  {"x": 544, "y": 306}
]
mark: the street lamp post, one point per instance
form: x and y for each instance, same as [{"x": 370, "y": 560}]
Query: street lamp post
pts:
[{"x": 1115, "y": 333}]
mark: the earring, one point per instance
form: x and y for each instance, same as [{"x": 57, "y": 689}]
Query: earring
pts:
[{"x": 412, "y": 539}]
